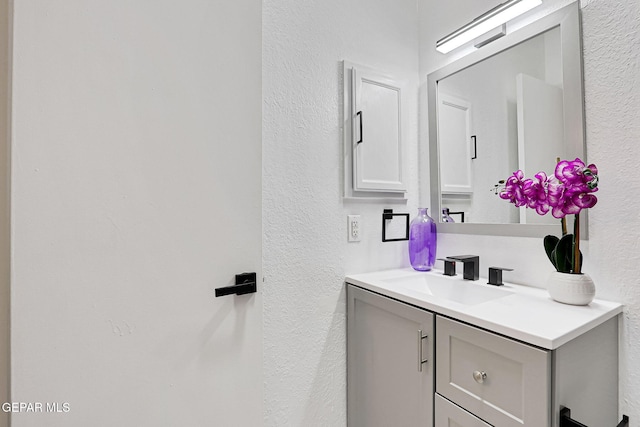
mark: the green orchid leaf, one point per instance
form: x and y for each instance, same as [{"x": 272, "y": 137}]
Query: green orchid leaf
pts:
[
  {"x": 550, "y": 243},
  {"x": 562, "y": 254}
]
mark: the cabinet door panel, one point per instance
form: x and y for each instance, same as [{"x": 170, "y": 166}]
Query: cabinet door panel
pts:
[
  {"x": 378, "y": 159},
  {"x": 387, "y": 384},
  {"x": 454, "y": 143},
  {"x": 502, "y": 381}
]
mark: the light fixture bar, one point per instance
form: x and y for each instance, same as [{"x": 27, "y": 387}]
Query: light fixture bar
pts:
[
  {"x": 485, "y": 22},
  {"x": 490, "y": 36}
]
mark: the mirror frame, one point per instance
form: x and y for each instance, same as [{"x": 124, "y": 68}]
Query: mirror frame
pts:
[{"x": 568, "y": 19}]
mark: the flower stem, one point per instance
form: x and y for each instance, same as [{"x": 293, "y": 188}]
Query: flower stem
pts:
[
  {"x": 563, "y": 220},
  {"x": 577, "y": 266}
]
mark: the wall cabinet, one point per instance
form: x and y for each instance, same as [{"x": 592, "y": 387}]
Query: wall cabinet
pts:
[
  {"x": 374, "y": 148},
  {"x": 478, "y": 378}
]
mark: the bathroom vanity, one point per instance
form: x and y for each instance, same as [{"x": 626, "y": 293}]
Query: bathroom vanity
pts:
[{"x": 431, "y": 350}]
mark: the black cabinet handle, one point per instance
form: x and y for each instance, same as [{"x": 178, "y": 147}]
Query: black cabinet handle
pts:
[
  {"x": 475, "y": 147},
  {"x": 566, "y": 421},
  {"x": 245, "y": 284},
  {"x": 359, "y": 113}
]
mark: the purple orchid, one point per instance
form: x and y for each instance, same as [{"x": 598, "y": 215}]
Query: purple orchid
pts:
[
  {"x": 571, "y": 190},
  {"x": 513, "y": 189},
  {"x": 567, "y": 192},
  {"x": 536, "y": 193}
]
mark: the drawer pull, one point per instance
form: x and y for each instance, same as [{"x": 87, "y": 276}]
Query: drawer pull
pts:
[
  {"x": 479, "y": 376},
  {"x": 421, "y": 361},
  {"x": 567, "y": 421}
]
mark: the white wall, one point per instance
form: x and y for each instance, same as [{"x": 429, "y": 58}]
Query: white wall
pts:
[
  {"x": 4, "y": 207},
  {"x": 611, "y": 36},
  {"x": 306, "y": 254}
]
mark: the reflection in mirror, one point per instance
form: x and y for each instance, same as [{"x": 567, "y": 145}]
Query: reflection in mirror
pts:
[
  {"x": 514, "y": 104},
  {"x": 497, "y": 116}
]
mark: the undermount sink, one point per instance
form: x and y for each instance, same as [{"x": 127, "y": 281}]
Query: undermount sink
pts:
[{"x": 463, "y": 292}]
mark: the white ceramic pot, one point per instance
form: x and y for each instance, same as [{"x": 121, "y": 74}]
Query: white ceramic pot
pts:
[{"x": 575, "y": 289}]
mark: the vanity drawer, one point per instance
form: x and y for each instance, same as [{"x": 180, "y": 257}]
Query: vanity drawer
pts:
[
  {"x": 449, "y": 415},
  {"x": 502, "y": 381}
]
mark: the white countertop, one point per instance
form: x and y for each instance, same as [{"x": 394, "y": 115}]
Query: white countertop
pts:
[{"x": 521, "y": 312}]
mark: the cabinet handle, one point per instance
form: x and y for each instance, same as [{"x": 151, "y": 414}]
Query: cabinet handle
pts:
[
  {"x": 567, "y": 421},
  {"x": 359, "y": 113},
  {"x": 475, "y": 147},
  {"x": 421, "y": 361},
  {"x": 479, "y": 376}
]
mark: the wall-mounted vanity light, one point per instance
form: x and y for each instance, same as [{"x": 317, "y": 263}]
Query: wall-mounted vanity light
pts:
[{"x": 484, "y": 23}]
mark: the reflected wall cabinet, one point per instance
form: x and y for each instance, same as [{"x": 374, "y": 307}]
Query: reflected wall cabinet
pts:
[
  {"x": 373, "y": 124},
  {"x": 454, "y": 136}
]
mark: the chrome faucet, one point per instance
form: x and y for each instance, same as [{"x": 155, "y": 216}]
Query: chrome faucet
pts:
[{"x": 470, "y": 266}]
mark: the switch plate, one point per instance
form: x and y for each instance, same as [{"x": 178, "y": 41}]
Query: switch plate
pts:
[{"x": 353, "y": 227}]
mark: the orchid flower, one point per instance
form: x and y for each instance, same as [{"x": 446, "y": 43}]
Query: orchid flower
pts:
[
  {"x": 536, "y": 193},
  {"x": 513, "y": 189},
  {"x": 569, "y": 190}
]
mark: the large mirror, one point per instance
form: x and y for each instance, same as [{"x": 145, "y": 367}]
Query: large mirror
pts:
[{"x": 514, "y": 104}]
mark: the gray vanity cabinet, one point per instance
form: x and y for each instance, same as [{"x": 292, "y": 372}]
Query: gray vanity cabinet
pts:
[
  {"x": 397, "y": 372},
  {"x": 390, "y": 362}
]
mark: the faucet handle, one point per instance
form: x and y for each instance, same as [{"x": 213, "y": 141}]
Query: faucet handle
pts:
[
  {"x": 449, "y": 266},
  {"x": 495, "y": 275},
  {"x": 471, "y": 266}
]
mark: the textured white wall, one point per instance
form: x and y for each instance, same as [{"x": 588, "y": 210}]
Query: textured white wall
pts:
[
  {"x": 306, "y": 254},
  {"x": 612, "y": 96},
  {"x": 611, "y": 41}
]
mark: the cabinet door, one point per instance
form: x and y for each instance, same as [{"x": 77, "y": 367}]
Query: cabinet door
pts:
[
  {"x": 454, "y": 144},
  {"x": 448, "y": 414},
  {"x": 377, "y": 133},
  {"x": 390, "y": 362}
]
